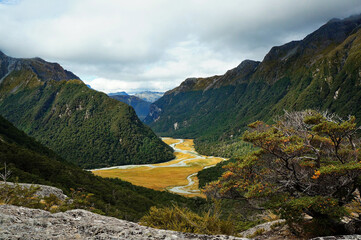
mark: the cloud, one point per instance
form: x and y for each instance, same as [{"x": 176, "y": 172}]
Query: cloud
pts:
[{"x": 155, "y": 44}]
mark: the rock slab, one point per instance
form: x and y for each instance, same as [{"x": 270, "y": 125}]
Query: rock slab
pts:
[
  {"x": 44, "y": 190},
  {"x": 25, "y": 223}
]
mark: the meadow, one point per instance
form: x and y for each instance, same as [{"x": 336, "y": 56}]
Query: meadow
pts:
[{"x": 170, "y": 176}]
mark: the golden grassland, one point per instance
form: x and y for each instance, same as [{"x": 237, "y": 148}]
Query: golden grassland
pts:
[
  {"x": 164, "y": 176},
  {"x": 179, "y": 157},
  {"x": 187, "y": 145},
  {"x": 169, "y": 141},
  {"x": 154, "y": 178},
  {"x": 159, "y": 178}
]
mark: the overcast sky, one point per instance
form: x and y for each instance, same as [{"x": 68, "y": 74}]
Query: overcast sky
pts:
[{"x": 134, "y": 45}]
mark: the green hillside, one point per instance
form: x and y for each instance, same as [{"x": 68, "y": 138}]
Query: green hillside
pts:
[
  {"x": 82, "y": 125},
  {"x": 322, "y": 71},
  {"x": 31, "y": 162}
]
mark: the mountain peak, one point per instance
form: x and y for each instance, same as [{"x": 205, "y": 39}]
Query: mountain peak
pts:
[
  {"x": 45, "y": 71},
  {"x": 333, "y": 20},
  {"x": 244, "y": 68},
  {"x": 42, "y": 98},
  {"x": 38, "y": 59},
  {"x": 321, "y": 71},
  {"x": 334, "y": 31},
  {"x": 237, "y": 75},
  {"x": 149, "y": 96}
]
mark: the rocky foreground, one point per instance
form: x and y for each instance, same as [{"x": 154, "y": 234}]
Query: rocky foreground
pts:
[
  {"x": 43, "y": 190},
  {"x": 25, "y": 223}
]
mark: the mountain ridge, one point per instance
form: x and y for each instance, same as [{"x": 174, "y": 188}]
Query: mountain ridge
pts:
[
  {"x": 320, "y": 71},
  {"x": 37, "y": 65},
  {"x": 31, "y": 162},
  {"x": 149, "y": 96},
  {"x": 84, "y": 126}
]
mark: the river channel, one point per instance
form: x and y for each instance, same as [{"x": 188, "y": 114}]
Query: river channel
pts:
[{"x": 177, "y": 176}]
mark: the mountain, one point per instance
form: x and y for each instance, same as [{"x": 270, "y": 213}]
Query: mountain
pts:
[
  {"x": 31, "y": 162},
  {"x": 82, "y": 125},
  {"x": 140, "y": 106},
  {"x": 139, "y": 101},
  {"x": 322, "y": 71},
  {"x": 118, "y": 94},
  {"x": 149, "y": 96}
]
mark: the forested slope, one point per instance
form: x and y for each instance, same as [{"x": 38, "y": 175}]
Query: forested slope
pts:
[
  {"x": 322, "y": 71},
  {"x": 82, "y": 125},
  {"x": 31, "y": 162}
]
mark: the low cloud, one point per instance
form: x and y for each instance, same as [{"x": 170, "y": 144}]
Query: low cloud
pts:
[{"x": 119, "y": 45}]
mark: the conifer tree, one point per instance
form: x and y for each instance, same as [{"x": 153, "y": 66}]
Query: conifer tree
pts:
[{"x": 308, "y": 161}]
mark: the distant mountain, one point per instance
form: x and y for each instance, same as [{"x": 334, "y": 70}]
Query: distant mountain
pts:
[
  {"x": 322, "y": 71},
  {"x": 139, "y": 101},
  {"x": 149, "y": 96},
  {"x": 31, "y": 162},
  {"x": 118, "y": 94},
  {"x": 140, "y": 106},
  {"x": 82, "y": 125}
]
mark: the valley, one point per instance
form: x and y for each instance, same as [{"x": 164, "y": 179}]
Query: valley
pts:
[
  {"x": 50, "y": 104},
  {"x": 270, "y": 149},
  {"x": 321, "y": 71},
  {"x": 177, "y": 176}
]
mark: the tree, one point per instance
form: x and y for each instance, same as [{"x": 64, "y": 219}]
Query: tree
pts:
[
  {"x": 308, "y": 161},
  {"x": 6, "y": 175}
]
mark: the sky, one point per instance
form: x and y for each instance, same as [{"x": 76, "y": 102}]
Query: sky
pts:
[{"x": 134, "y": 45}]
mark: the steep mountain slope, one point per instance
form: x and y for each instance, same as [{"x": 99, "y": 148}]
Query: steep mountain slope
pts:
[
  {"x": 84, "y": 126},
  {"x": 32, "y": 162},
  {"x": 140, "y": 106},
  {"x": 321, "y": 71}
]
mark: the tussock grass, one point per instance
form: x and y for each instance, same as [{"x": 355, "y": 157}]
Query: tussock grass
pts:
[{"x": 184, "y": 220}]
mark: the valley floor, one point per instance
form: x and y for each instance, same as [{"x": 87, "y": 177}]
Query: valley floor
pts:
[{"x": 178, "y": 176}]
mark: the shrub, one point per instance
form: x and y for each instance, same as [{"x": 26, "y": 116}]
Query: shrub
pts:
[
  {"x": 15, "y": 194},
  {"x": 19, "y": 196},
  {"x": 306, "y": 163},
  {"x": 325, "y": 210},
  {"x": 256, "y": 233},
  {"x": 184, "y": 220}
]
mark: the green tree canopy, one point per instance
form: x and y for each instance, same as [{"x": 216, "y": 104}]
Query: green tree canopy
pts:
[{"x": 309, "y": 161}]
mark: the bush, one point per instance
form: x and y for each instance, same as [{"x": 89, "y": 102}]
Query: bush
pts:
[
  {"x": 184, "y": 220},
  {"x": 326, "y": 211},
  {"x": 15, "y": 194},
  {"x": 307, "y": 163},
  {"x": 19, "y": 196}
]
